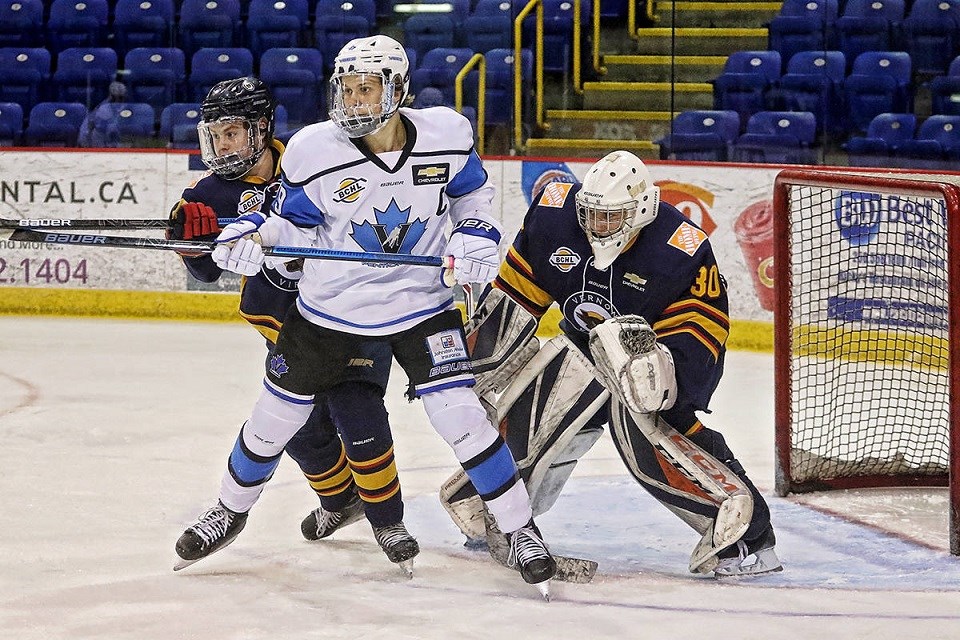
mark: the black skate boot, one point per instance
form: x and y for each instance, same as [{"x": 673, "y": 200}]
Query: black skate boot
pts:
[
  {"x": 217, "y": 528},
  {"x": 400, "y": 547},
  {"x": 320, "y": 523},
  {"x": 530, "y": 555}
]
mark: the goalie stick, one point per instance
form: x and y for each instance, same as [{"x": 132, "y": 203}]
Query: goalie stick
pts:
[
  {"x": 94, "y": 240},
  {"x": 89, "y": 224}
]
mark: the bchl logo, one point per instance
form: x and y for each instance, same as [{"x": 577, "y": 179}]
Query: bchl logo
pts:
[
  {"x": 392, "y": 233},
  {"x": 349, "y": 189},
  {"x": 250, "y": 200},
  {"x": 564, "y": 259}
]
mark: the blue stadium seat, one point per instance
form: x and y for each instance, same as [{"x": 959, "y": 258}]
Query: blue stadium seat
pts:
[
  {"x": 155, "y": 75},
  {"x": 54, "y": 124},
  {"x": 803, "y": 25},
  {"x": 885, "y": 134},
  {"x": 21, "y": 23},
  {"x": 880, "y": 83},
  {"x": 931, "y": 34},
  {"x": 276, "y": 23},
  {"x": 867, "y": 25},
  {"x": 747, "y": 77},
  {"x": 24, "y": 74},
  {"x": 210, "y": 66},
  {"x": 429, "y": 97},
  {"x": 439, "y": 68},
  {"x": 178, "y": 125},
  {"x": 814, "y": 82},
  {"x": 209, "y": 23},
  {"x": 500, "y": 88},
  {"x": 557, "y": 32},
  {"x": 143, "y": 23},
  {"x": 340, "y": 21},
  {"x": 77, "y": 23},
  {"x": 779, "y": 137},
  {"x": 945, "y": 91},
  {"x": 426, "y": 31},
  {"x": 11, "y": 124},
  {"x": 281, "y": 124},
  {"x": 459, "y": 9},
  {"x": 936, "y": 145},
  {"x": 84, "y": 73},
  {"x": 701, "y": 136},
  {"x": 295, "y": 76},
  {"x": 490, "y": 26},
  {"x": 137, "y": 122}
]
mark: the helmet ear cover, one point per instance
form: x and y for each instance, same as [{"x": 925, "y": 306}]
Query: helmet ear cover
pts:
[
  {"x": 376, "y": 56},
  {"x": 245, "y": 101},
  {"x": 616, "y": 200}
]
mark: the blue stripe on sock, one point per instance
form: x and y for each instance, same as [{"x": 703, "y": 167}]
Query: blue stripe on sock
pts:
[
  {"x": 248, "y": 471},
  {"x": 494, "y": 472}
]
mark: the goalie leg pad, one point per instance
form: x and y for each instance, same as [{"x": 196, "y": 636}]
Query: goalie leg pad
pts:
[{"x": 500, "y": 339}]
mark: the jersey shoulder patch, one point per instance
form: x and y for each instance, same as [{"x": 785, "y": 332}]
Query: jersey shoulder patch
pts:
[
  {"x": 555, "y": 194},
  {"x": 687, "y": 238}
]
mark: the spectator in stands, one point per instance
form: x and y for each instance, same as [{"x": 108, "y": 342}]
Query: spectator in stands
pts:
[{"x": 101, "y": 127}]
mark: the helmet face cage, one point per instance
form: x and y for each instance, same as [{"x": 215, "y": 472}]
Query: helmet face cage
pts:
[
  {"x": 236, "y": 164},
  {"x": 377, "y": 57},
  {"x": 244, "y": 101},
  {"x": 616, "y": 201}
]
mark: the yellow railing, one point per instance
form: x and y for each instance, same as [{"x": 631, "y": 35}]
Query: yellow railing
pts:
[
  {"x": 518, "y": 71},
  {"x": 595, "y": 28},
  {"x": 477, "y": 59}
]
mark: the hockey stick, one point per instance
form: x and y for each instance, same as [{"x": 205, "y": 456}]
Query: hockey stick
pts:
[
  {"x": 89, "y": 224},
  {"x": 94, "y": 240}
]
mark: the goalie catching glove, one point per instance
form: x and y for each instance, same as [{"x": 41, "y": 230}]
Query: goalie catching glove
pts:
[{"x": 637, "y": 368}]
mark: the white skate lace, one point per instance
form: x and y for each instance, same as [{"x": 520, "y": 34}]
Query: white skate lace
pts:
[
  {"x": 391, "y": 535},
  {"x": 213, "y": 525},
  {"x": 526, "y": 546}
]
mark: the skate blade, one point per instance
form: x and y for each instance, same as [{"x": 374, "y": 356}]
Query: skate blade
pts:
[
  {"x": 544, "y": 589},
  {"x": 183, "y": 564},
  {"x": 407, "y": 567}
]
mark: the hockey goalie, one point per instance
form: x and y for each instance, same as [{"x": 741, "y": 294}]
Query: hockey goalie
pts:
[{"x": 641, "y": 350}]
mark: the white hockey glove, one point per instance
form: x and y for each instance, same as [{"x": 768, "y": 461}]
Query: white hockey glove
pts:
[
  {"x": 238, "y": 246},
  {"x": 635, "y": 366},
  {"x": 474, "y": 246}
]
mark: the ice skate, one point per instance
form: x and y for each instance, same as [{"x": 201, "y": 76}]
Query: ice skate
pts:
[
  {"x": 217, "y": 528},
  {"x": 530, "y": 555},
  {"x": 321, "y": 523},
  {"x": 400, "y": 547},
  {"x": 749, "y": 558}
]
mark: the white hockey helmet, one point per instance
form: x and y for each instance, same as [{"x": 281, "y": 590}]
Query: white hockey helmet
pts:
[
  {"x": 379, "y": 56},
  {"x": 616, "y": 200}
]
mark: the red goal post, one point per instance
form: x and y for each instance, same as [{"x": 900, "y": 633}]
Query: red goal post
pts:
[{"x": 867, "y": 332}]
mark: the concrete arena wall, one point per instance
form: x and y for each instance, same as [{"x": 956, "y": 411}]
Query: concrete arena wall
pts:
[{"x": 46, "y": 279}]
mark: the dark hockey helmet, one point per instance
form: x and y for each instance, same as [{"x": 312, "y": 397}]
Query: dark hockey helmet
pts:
[{"x": 242, "y": 101}]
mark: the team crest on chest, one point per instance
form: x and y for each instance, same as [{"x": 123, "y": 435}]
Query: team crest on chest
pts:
[
  {"x": 564, "y": 259},
  {"x": 587, "y": 309},
  {"x": 393, "y": 231}
]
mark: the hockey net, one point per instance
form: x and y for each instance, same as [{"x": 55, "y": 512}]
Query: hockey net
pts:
[{"x": 867, "y": 351}]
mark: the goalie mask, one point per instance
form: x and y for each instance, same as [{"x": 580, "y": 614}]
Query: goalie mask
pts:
[
  {"x": 371, "y": 77},
  {"x": 236, "y": 126},
  {"x": 617, "y": 199}
]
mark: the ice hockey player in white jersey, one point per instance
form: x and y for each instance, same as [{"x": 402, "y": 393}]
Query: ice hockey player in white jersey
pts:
[{"x": 379, "y": 178}]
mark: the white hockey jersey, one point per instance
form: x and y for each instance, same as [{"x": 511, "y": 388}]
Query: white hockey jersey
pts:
[{"x": 397, "y": 202}]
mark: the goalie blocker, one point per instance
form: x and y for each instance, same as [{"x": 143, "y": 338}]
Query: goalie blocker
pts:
[{"x": 549, "y": 408}]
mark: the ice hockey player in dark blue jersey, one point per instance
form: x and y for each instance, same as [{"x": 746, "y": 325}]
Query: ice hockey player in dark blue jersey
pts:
[
  {"x": 238, "y": 146},
  {"x": 642, "y": 348}
]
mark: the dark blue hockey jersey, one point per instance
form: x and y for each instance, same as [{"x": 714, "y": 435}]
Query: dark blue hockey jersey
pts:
[
  {"x": 668, "y": 275},
  {"x": 266, "y": 297}
]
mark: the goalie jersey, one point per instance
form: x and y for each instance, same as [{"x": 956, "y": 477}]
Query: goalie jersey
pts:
[
  {"x": 342, "y": 196},
  {"x": 668, "y": 275}
]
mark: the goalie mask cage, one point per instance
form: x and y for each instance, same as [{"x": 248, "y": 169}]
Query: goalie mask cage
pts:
[{"x": 867, "y": 339}]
